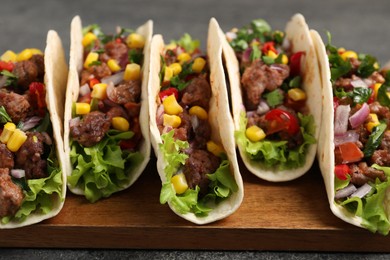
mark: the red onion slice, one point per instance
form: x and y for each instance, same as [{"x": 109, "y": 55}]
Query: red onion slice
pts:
[
  {"x": 262, "y": 108},
  {"x": 84, "y": 90},
  {"x": 349, "y": 136},
  {"x": 362, "y": 191},
  {"x": 30, "y": 123},
  {"x": 74, "y": 121},
  {"x": 246, "y": 55},
  {"x": 115, "y": 79},
  {"x": 360, "y": 116},
  {"x": 231, "y": 36},
  {"x": 18, "y": 173},
  {"x": 345, "y": 192},
  {"x": 358, "y": 82},
  {"x": 341, "y": 119}
]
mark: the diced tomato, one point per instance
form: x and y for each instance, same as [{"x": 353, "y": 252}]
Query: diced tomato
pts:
[
  {"x": 295, "y": 63},
  {"x": 118, "y": 40},
  {"x": 268, "y": 46},
  {"x": 281, "y": 120},
  {"x": 167, "y": 92},
  {"x": 6, "y": 65},
  {"x": 38, "y": 93},
  {"x": 350, "y": 152},
  {"x": 93, "y": 82},
  {"x": 342, "y": 171},
  {"x": 372, "y": 97}
]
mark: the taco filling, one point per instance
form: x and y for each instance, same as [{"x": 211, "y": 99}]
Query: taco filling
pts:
[
  {"x": 105, "y": 128},
  {"x": 277, "y": 127},
  {"x": 361, "y": 135},
  {"x": 197, "y": 172},
  {"x": 30, "y": 175}
]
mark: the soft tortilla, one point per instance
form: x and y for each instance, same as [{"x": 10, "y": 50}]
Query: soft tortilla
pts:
[
  {"x": 56, "y": 71},
  {"x": 72, "y": 92},
  {"x": 325, "y": 151},
  {"x": 218, "y": 112},
  {"x": 298, "y": 33}
]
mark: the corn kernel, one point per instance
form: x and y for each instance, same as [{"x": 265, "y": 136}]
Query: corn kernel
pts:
[
  {"x": 348, "y": 55},
  {"x": 255, "y": 43},
  {"x": 214, "y": 148},
  {"x": 376, "y": 65},
  {"x": 183, "y": 57},
  {"x": 198, "y": 111},
  {"x": 373, "y": 122},
  {"x": 198, "y": 65},
  {"x": 91, "y": 57},
  {"x": 88, "y": 39},
  {"x": 36, "y": 51},
  {"x": 16, "y": 140},
  {"x": 376, "y": 88},
  {"x": 132, "y": 72},
  {"x": 82, "y": 108},
  {"x": 120, "y": 123},
  {"x": 255, "y": 133},
  {"x": 341, "y": 50},
  {"x": 9, "y": 56},
  {"x": 284, "y": 59},
  {"x": 171, "y": 107},
  {"x": 113, "y": 65},
  {"x": 176, "y": 68},
  {"x": 171, "y": 120},
  {"x": 135, "y": 40},
  {"x": 8, "y": 130},
  {"x": 272, "y": 54},
  {"x": 26, "y": 54},
  {"x": 168, "y": 74},
  {"x": 179, "y": 183},
  {"x": 296, "y": 94},
  {"x": 99, "y": 91},
  {"x": 170, "y": 46}
]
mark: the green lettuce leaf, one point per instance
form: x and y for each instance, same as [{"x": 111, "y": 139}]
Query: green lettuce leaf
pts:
[{"x": 104, "y": 168}]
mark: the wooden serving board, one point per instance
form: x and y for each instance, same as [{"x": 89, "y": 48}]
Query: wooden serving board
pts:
[{"x": 291, "y": 216}]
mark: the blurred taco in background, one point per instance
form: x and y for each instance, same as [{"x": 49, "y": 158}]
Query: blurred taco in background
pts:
[
  {"x": 32, "y": 162},
  {"x": 106, "y": 129},
  {"x": 275, "y": 94},
  {"x": 353, "y": 148},
  {"x": 191, "y": 129}
]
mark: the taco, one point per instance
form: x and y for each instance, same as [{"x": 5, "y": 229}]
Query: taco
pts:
[
  {"x": 106, "y": 129},
  {"x": 275, "y": 92},
  {"x": 353, "y": 150},
  {"x": 191, "y": 129},
  {"x": 32, "y": 173}
]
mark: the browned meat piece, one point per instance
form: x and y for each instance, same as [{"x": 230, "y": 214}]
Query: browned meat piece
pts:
[
  {"x": 117, "y": 51},
  {"x": 117, "y": 111},
  {"x": 133, "y": 109},
  {"x": 40, "y": 63},
  {"x": 26, "y": 71},
  {"x": 85, "y": 77},
  {"x": 381, "y": 157},
  {"x": 382, "y": 111},
  {"x": 197, "y": 93},
  {"x": 202, "y": 134},
  {"x": 377, "y": 77},
  {"x": 372, "y": 173},
  {"x": 6, "y": 157},
  {"x": 91, "y": 129},
  {"x": 363, "y": 134},
  {"x": 184, "y": 130},
  {"x": 170, "y": 57},
  {"x": 259, "y": 77},
  {"x": 29, "y": 156},
  {"x": 344, "y": 83},
  {"x": 11, "y": 195},
  {"x": 198, "y": 164},
  {"x": 385, "y": 143},
  {"x": 17, "y": 106},
  {"x": 100, "y": 71},
  {"x": 127, "y": 91},
  {"x": 357, "y": 176}
]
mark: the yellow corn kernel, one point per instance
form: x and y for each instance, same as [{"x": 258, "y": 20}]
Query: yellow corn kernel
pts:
[
  {"x": 9, "y": 56},
  {"x": 82, "y": 108},
  {"x": 171, "y": 120},
  {"x": 373, "y": 122},
  {"x": 88, "y": 38},
  {"x": 120, "y": 123},
  {"x": 99, "y": 91},
  {"x": 254, "y": 133},
  {"x": 170, "y": 46},
  {"x": 132, "y": 72},
  {"x": 272, "y": 54},
  {"x": 341, "y": 50},
  {"x": 16, "y": 140},
  {"x": 348, "y": 55},
  {"x": 198, "y": 65},
  {"x": 176, "y": 68},
  {"x": 8, "y": 130},
  {"x": 376, "y": 88},
  {"x": 284, "y": 59},
  {"x": 135, "y": 40},
  {"x": 198, "y": 111},
  {"x": 214, "y": 148},
  {"x": 168, "y": 74},
  {"x": 26, "y": 54},
  {"x": 183, "y": 57},
  {"x": 171, "y": 107},
  {"x": 113, "y": 65},
  {"x": 296, "y": 94},
  {"x": 376, "y": 65},
  {"x": 91, "y": 57},
  {"x": 255, "y": 43},
  {"x": 179, "y": 183}
]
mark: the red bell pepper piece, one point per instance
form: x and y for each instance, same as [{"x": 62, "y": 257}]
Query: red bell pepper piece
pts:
[
  {"x": 38, "y": 93},
  {"x": 350, "y": 152},
  {"x": 295, "y": 63},
  {"x": 167, "y": 92},
  {"x": 372, "y": 97},
  {"x": 93, "y": 82},
  {"x": 6, "y": 65},
  {"x": 281, "y": 120},
  {"x": 342, "y": 171},
  {"x": 268, "y": 46}
]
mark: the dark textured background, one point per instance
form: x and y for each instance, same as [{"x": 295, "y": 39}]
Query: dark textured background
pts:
[{"x": 360, "y": 25}]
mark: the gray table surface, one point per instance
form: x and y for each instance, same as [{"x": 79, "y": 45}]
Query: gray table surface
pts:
[{"x": 360, "y": 25}]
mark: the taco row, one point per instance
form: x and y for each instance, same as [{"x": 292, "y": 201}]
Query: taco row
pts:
[{"x": 281, "y": 97}]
